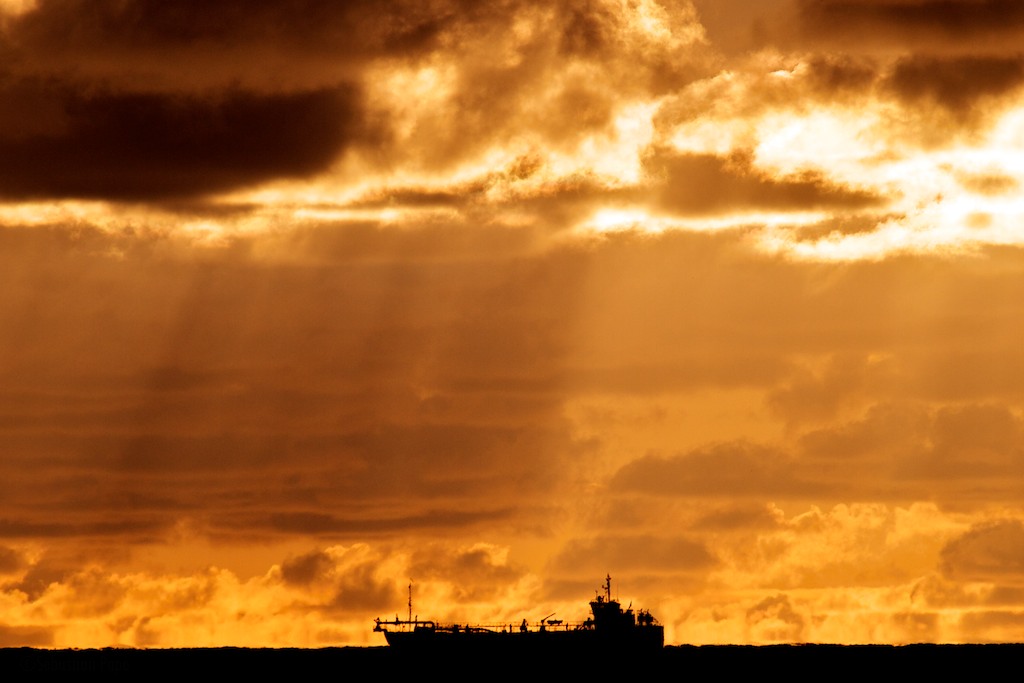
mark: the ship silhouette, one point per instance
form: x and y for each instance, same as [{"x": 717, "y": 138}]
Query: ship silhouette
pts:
[{"x": 609, "y": 628}]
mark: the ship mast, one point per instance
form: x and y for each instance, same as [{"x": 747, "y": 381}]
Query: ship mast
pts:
[{"x": 410, "y": 599}]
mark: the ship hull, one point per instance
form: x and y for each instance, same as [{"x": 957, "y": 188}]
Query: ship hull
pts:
[{"x": 648, "y": 639}]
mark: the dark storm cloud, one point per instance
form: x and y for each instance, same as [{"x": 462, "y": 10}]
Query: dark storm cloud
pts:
[
  {"x": 956, "y": 83},
  {"x": 148, "y": 100},
  {"x": 708, "y": 184},
  {"x": 913, "y": 21},
  {"x": 356, "y": 28},
  {"x": 119, "y": 145},
  {"x": 145, "y": 100},
  {"x": 832, "y": 76}
]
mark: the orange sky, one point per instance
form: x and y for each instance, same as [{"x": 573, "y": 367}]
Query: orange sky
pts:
[{"x": 302, "y": 299}]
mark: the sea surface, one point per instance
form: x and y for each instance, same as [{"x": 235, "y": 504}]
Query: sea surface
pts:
[{"x": 800, "y": 662}]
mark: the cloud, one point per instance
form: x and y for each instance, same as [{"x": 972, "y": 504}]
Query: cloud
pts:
[
  {"x": 737, "y": 26},
  {"x": 959, "y": 449},
  {"x": 292, "y": 604},
  {"x": 734, "y": 469},
  {"x": 977, "y": 438},
  {"x": 990, "y": 552},
  {"x": 38, "y": 576},
  {"x": 837, "y": 75},
  {"x": 703, "y": 184},
  {"x": 361, "y": 590},
  {"x": 560, "y": 79},
  {"x": 955, "y": 452},
  {"x": 280, "y": 413},
  {"x": 313, "y": 523},
  {"x": 341, "y": 580},
  {"x": 360, "y": 579},
  {"x": 918, "y": 627},
  {"x": 160, "y": 104},
  {"x": 499, "y": 295},
  {"x": 993, "y": 626},
  {"x": 148, "y": 146},
  {"x": 958, "y": 84},
  {"x": 738, "y": 518},
  {"x": 93, "y": 593},
  {"x": 990, "y": 184},
  {"x": 822, "y": 394},
  {"x": 290, "y": 42},
  {"x": 139, "y": 528},
  {"x": 526, "y": 189},
  {"x": 977, "y": 24},
  {"x": 885, "y": 431},
  {"x": 635, "y": 554},
  {"x": 26, "y": 636},
  {"x": 11, "y": 560},
  {"x": 476, "y": 574},
  {"x": 306, "y": 569},
  {"x": 384, "y": 382},
  {"x": 773, "y": 619},
  {"x": 843, "y": 548}
]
